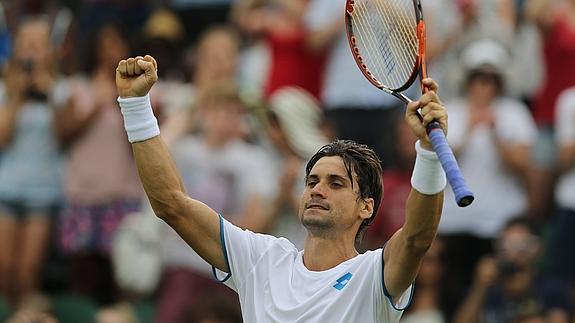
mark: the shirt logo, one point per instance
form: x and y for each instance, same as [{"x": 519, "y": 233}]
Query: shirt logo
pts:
[{"x": 342, "y": 281}]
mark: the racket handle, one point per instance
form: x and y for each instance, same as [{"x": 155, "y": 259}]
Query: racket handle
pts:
[{"x": 463, "y": 196}]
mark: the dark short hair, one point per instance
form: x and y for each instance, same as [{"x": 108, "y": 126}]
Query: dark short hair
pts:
[{"x": 364, "y": 162}]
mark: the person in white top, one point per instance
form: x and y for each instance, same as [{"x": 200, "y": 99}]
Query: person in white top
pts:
[
  {"x": 562, "y": 262},
  {"x": 329, "y": 281}
]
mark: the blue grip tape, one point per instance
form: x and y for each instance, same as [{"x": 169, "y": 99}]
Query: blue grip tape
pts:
[{"x": 463, "y": 196}]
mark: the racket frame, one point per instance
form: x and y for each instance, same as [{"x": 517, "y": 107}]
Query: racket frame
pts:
[{"x": 464, "y": 197}]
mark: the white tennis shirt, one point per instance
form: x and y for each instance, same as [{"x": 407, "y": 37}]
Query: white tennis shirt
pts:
[{"x": 274, "y": 285}]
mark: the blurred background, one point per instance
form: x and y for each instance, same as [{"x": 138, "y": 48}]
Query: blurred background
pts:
[{"x": 248, "y": 91}]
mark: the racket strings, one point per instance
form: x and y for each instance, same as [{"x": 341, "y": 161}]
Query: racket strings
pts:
[{"x": 386, "y": 39}]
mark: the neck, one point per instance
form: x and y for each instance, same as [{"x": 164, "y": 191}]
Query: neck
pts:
[{"x": 321, "y": 253}]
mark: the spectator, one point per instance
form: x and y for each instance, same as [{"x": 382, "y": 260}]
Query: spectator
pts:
[
  {"x": 281, "y": 24},
  {"x": 555, "y": 22},
  {"x": 293, "y": 127},
  {"x": 162, "y": 37},
  {"x": 230, "y": 176},
  {"x": 505, "y": 131},
  {"x": 560, "y": 256},
  {"x": 102, "y": 184},
  {"x": 508, "y": 288},
  {"x": 216, "y": 62},
  {"x": 30, "y": 167}
]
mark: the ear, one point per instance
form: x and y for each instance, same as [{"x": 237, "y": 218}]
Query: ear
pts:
[{"x": 366, "y": 208}]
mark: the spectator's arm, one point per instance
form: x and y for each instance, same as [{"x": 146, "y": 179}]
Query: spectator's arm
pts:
[
  {"x": 470, "y": 309},
  {"x": 557, "y": 315},
  {"x": 68, "y": 122},
  {"x": 565, "y": 130},
  {"x": 8, "y": 121},
  {"x": 254, "y": 217},
  {"x": 540, "y": 12},
  {"x": 249, "y": 16},
  {"x": 514, "y": 156},
  {"x": 566, "y": 157},
  {"x": 322, "y": 38}
]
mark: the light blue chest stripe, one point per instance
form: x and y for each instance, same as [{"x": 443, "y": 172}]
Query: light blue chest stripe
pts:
[{"x": 223, "y": 242}]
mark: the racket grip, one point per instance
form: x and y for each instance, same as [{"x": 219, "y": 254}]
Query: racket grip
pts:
[{"x": 463, "y": 196}]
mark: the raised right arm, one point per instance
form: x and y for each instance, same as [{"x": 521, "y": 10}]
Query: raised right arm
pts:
[{"x": 194, "y": 221}]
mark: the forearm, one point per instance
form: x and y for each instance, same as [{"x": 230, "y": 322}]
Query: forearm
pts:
[
  {"x": 515, "y": 157},
  {"x": 539, "y": 12},
  {"x": 422, "y": 214},
  {"x": 69, "y": 125},
  {"x": 471, "y": 307},
  {"x": 566, "y": 158},
  {"x": 7, "y": 123},
  {"x": 321, "y": 39},
  {"x": 159, "y": 176}
]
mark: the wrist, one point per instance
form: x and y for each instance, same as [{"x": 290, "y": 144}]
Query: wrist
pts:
[
  {"x": 428, "y": 176},
  {"x": 139, "y": 120},
  {"x": 426, "y": 144}
]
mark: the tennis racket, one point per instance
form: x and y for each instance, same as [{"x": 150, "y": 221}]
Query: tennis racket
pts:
[{"x": 387, "y": 40}]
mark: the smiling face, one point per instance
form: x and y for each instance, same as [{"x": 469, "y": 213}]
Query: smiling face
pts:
[{"x": 330, "y": 203}]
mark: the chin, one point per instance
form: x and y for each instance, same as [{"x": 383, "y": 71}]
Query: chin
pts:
[{"x": 314, "y": 220}]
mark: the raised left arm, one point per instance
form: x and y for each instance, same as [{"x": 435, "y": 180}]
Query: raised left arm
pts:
[{"x": 405, "y": 250}]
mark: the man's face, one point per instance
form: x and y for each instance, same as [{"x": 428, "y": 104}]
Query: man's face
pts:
[
  {"x": 329, "y": 203},
  {"x": 518, "y": 246}
]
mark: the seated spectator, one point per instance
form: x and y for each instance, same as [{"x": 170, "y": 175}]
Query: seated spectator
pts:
[{"x": 507, "y": 286}]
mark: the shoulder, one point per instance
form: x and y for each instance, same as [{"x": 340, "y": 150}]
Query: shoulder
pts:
[
  {"x": 566, "y": 100},
  {"x": 511, "y": 108}
]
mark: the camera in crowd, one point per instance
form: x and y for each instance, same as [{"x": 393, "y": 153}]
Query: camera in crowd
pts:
[{"x": 28, "y": 66}]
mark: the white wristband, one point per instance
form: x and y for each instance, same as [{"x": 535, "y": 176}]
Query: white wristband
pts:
[
  {"x": 428, "y": 176},
  {"x": 139, "y": 120}
]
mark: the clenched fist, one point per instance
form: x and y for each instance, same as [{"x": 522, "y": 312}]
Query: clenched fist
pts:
[
  {"x": 136, "y": 76},
  {"x": 422, "y": 112}
]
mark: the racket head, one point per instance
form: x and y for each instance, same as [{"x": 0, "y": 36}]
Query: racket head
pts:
[{"x": 387, "y": 41}]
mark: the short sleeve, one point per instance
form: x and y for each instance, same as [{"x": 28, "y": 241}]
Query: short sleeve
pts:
[
  {"x": 458, "y": 123},
  {"x": 565, "y": 118},
  {"x": 404, "y": 300},
  {"x": 321, "y": 13},
  {"x": 514, "y": 123},
  {"x": 61, "y": 92},
  {"x": 243, "y": 249}
]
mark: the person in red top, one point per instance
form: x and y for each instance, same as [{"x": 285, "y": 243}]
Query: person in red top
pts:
[
  {"x": 293, "y": 62},
  {"x": 556, "y": 21},
  {"x": 557, "y": 24}
]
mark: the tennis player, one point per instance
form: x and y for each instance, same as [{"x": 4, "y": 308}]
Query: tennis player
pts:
[{"x": 329, "y": 281}]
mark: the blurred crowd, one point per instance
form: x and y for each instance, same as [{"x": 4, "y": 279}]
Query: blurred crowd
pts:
[{"x": 248, "y": 91}]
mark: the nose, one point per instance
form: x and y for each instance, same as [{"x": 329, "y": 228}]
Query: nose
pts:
[{"x": 318, "y": 190}]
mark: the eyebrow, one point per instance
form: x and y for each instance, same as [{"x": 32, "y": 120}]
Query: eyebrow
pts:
[{"x": 331, "y": 177}]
